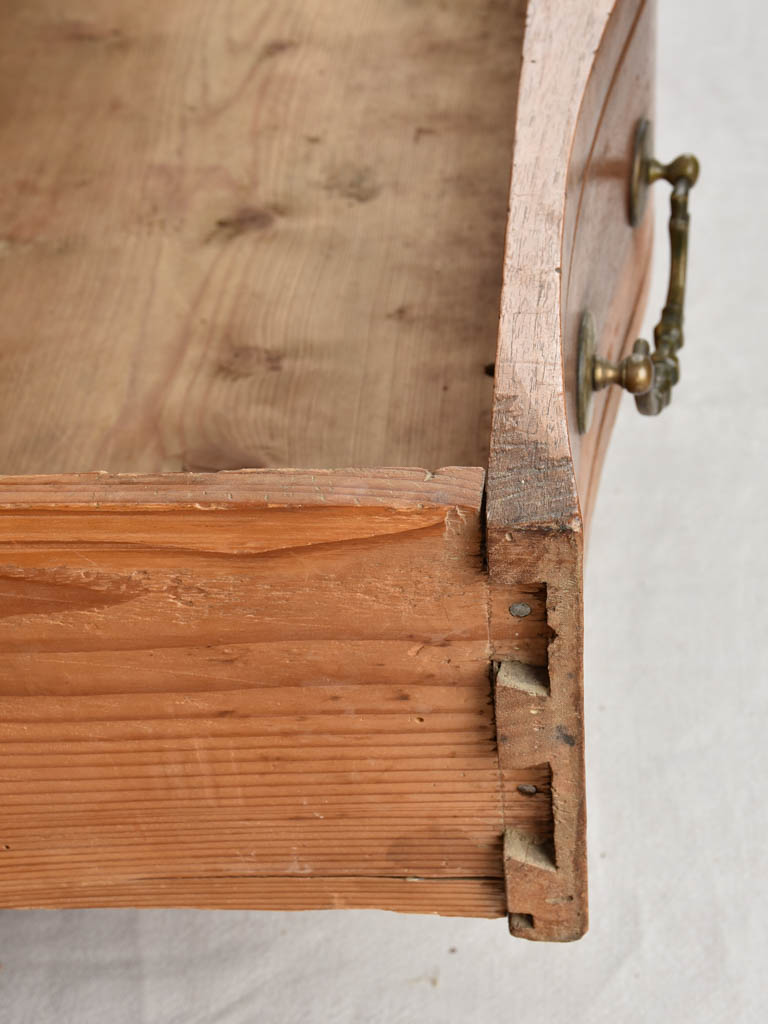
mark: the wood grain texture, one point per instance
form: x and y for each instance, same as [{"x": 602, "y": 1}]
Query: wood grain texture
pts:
[
  {"x": 393, "y": 488},
  {"x": 569, "y": 244},
  {"x": 569, "y": 247},
  {"x": 251, "y": 234},
  {"x": 465, "y": 897},
  {"x": 207, "y": 697},
  {"x": 261, "y": 236}
]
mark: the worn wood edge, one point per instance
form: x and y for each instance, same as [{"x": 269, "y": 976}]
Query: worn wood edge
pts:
[
  {"x": 396, "y": 487},
  {"x": 443, "y": 897},
  {"x": 531, "y": 477},
  {"x": 534, "y": 477}
]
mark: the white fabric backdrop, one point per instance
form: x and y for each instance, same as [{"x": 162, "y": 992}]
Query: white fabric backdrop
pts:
[{"x": 677, "y": 701}]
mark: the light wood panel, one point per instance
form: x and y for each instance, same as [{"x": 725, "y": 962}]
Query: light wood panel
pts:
[
  {"x": 251, "y": 234},
  {"x": 258, "y": 677}
]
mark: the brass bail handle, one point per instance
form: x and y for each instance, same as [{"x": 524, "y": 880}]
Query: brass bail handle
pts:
[{"x": 649, "y": 376}]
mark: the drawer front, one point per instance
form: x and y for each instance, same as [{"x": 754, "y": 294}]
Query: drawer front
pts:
[
  {"x": 606, "y": 261},
  {"x": 586, "y": 80}
]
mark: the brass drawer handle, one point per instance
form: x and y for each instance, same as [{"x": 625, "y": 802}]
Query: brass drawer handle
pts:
[{"x": 649, "y": 376}]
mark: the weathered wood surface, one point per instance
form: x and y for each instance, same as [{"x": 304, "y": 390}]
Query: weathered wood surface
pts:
[
  {"x": 273, "y": 237},
  {"x": 255, "y": 679},
  {"x": 252, "y": 234},
  {"x": 455, "y": 897},
  {"x": 586, "y": 79},
  {"x": 398, "y": 488}
]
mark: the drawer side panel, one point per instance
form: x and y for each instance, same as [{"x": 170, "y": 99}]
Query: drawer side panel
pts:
[{"x": 226, "y": 701}]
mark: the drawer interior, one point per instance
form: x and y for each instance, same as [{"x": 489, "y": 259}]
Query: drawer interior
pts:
[{"x": 251, "y": 234}]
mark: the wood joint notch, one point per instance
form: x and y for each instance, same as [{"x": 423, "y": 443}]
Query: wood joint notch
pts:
[
  {"x": 537, "y": 705},
  {"x": 546, "y": 901}
]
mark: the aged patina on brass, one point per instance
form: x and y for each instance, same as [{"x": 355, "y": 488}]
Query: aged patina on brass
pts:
[{"x": 649, "y": 376}]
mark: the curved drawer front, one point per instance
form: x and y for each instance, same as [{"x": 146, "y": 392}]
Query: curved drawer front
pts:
[
  {"x": 606, "y": 261},
  {"x": 301, "y": 688},
  {"x": 586, "y": 80}
]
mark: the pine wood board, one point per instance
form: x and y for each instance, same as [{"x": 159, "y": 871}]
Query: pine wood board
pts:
[
  {"x": 256, "y": 677},
  {"x": 464, "y": 897}
]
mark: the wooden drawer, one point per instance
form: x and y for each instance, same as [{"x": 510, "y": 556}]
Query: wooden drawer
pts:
[{"x": 247, "y": 236}]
